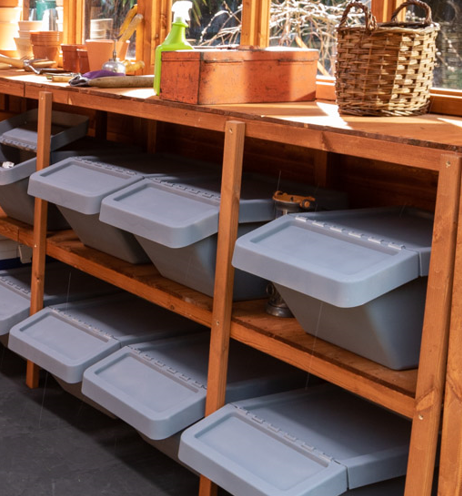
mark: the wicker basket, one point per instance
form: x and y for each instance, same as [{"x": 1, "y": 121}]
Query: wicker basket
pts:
[{"x": 387, "y": 68}]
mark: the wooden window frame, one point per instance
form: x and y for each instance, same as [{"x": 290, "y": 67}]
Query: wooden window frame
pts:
[{"x": 255, "y": 32}]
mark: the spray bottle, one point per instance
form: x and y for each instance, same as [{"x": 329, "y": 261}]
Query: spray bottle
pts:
[{"x": 176, "y": 39}]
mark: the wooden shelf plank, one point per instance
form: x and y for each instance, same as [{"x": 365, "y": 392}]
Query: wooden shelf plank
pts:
[
  {"x": 286, "y": 340},
  {"x": 142, "y": 280}
]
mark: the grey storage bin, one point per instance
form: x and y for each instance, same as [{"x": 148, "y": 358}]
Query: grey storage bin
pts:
[
  {"x": 62, "y": 283},
  {"x": 14, "y": 198},
  {"x": 18, "y": 145},
  {"x": 318, "y": 441},
  {"x": 20, "y": 131},
  {"x": 177, "y": 223},
  {"x": 77, "y": 186},
  {"x": 66, "y": 339},
  {"x": 159, "y": 388},
  {"x": 355, "y": 278}
]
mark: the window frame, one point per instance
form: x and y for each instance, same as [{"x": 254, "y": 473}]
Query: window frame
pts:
[{"x": 255, "y": 32}]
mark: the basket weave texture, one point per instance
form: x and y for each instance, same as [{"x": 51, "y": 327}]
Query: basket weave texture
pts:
[{"x": 385, "y": 69}]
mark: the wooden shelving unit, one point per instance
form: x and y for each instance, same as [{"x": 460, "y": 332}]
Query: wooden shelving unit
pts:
[{"x": 427, "y": 142}]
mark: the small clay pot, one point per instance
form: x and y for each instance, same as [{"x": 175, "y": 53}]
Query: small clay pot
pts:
[
  {"x": 82, "y": 55},
  {"x": 71, "y": 58}
]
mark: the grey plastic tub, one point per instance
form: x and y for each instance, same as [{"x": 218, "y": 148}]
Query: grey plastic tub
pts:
[
  {"x": 355, "y": 278},
  {"x": 77, "y": 186},
  {"x": 159, "y": 388},
  {"x": 20, "y": 131},
  {"x": 18, "y": 145},
  {"x": 176, "y": 223},
  {"x": 319, "y": 441},
  {"x": 66, "y": 339},
  {"x": 62, "y": 283}
]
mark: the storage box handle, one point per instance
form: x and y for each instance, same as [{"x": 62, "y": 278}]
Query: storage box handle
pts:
[{"x": 370, "y": 20}]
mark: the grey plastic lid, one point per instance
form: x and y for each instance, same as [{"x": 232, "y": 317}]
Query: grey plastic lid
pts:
[
  {"x": 318, "y": 441},
  {"x": 66, "y": 339},
  {"x": 178, "y": 214},
  {"x": 20, "y": 131},
  {"x": 182, "y": 213},
  {"x": 24, "y": 169},
  {"x": 80, "y": 183},
  {"x": 159, "y": 388},
  {"x": 62, "y": 283},
  {"x": 342, "y": 258}
]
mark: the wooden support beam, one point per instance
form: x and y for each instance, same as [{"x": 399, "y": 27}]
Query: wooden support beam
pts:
[
  {"x": 224, "y": 275},
  {"x": 40, "y": 223},
  {"x": 433, "y": 352},
  {"x": 450, "y": 474},
  {"x": 153, "y": 31},
  {"x": 255, "y": 22},
  {"x": 73, "y": 21}
]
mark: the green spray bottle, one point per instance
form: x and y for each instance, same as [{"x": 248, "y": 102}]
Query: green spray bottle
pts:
[{"x": 176, "y": 39}]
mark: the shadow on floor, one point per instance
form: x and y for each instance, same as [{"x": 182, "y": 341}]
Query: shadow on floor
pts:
[{"x": 53, "y": 444}]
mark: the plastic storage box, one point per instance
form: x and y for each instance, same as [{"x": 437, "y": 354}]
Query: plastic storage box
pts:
[
  {"x": 66, "y": 339},
  {"x": 319, "y": 441},
  {"x": 62, "y": 283},
  {"x": 160, "y": 387},
  {"x": 13, "y": 254},
  {"x": 77, "y": 186},
  {"x": 18, "y": 146},
  {"x": 177, "y": 225},
  {"x": 355, "y": 278},
  {"x": 20, "y": 131}
]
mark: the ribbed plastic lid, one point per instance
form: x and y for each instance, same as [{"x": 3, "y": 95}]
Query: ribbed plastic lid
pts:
[
  {"x": 159, "y": 388},
  {"x": 345, "y": 258},
  {"x": 66, "y": 339},
  {"x": 178, "y": 214},
  {"x": 62, "y": 283},
  {"x": 80, "y": 183},
  {"x": 300, "y": 443}
]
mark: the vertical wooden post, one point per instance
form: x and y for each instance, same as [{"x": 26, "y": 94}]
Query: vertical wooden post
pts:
[
  {"x": 73, "y": 21},
  {"x": 40, "y": 221},
  {"x": 157, "y": 21},
  {"x": 255, "y": 22},
  {"x": 433, "y": 352},
  {"x": 450, "y": 475},
  {"x": 224, "y": 274}
]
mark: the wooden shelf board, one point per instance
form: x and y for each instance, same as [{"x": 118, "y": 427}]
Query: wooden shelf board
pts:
[
  {"x": 16, "y": 230},
  {"x": 142, "y": 280},
  {"x": 285, "y": 339}
]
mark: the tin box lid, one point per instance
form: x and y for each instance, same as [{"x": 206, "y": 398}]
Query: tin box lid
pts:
[
  {"x": 160, "y": 387},
  {"x": 321, "y": 440},
  {"x": 344, "y": 258},
  {"x": 209, "y": 55},
  {"x": 66, "y": 339}
]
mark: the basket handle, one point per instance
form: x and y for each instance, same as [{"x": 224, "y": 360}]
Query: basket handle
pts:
[
  {"x": 370, "y": 20},
  {"x": 417, "y": 3}
]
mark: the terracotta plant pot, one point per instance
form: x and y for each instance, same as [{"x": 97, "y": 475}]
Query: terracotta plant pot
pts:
[
  {"x": 82, "y": 55},
  {"x": 100, "y": 51},
  {"x": 70, "y": 57}
]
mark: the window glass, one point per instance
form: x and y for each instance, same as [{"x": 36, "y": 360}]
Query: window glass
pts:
[
  {"x": 448, "y": 71},
  {"x": 310, "y": 24},
  {"x": 215, "y": 22},
  {"x": 103, "y": 19}
]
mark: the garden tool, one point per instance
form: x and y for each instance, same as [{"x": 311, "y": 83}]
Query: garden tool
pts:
[{"x": 25, "y": 63}]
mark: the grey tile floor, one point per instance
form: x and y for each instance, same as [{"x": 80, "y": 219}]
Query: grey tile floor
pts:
[{"x": 53, "y": 444}]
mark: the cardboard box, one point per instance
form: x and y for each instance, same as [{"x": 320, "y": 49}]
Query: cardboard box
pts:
[{"x": 218, "y": 76}]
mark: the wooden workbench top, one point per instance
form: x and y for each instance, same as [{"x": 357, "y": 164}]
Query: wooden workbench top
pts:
[{"x": 416, "y": 140}]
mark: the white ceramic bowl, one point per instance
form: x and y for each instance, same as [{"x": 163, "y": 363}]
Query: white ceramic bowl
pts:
[
  {"x": 30, "y": 25},
  {"x": 8, "y": 30},
  {"x": 10, "y": 14},
  {"x": 23, "y": 47}
]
